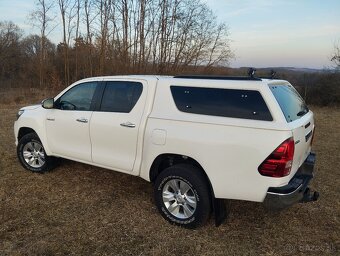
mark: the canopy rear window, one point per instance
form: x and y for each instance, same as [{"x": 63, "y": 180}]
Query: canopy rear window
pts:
[{"x": 291, "y": 103}]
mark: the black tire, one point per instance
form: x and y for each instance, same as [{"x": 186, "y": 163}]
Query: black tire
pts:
[
  {"x": 49, "y": 162},
  {"x": 199, "y": 188}
]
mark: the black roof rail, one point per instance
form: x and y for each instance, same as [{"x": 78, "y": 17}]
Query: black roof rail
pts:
[
  {"x": 238, "y": 78},
  {"x": 271, "y": 76}
]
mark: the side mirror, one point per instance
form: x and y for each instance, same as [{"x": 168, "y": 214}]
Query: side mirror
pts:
[{"x": 48, "y": 103}]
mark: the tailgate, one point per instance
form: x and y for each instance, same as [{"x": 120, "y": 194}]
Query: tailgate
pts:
[
  {"x": 299, "y": 118},
  {"x": 302, "y": 133}
]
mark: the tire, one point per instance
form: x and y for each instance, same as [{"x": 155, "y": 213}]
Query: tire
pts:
[
  {"x": 32, "y": 155},
  {"x": 190, "y": 205}
]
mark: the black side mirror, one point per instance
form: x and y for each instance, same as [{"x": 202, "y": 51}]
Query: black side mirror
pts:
[{"x": 48, "y": 103}]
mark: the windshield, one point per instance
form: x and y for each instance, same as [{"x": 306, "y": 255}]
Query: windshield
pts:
[{"x": 291, "y": 103}]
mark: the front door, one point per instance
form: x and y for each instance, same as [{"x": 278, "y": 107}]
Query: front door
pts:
[{"x": 67, "y": 125}]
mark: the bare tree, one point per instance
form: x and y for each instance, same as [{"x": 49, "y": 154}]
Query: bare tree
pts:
[
  {"x": 139, "y": 36},
  {"x": 141, "y": 56},
  {"x": 43, "y": 17},
  {"x": 336, "y": 55},
  {"x": 10, "y": 35},
  {"x": 89, "y": 18},
  {"x": 105, "y": 12},
  {"x": 78, "y": 7},
  {"x": 125, "y": 26},
  {"x": 68, "y": 13},
  {"x": 30, "y": 51}
]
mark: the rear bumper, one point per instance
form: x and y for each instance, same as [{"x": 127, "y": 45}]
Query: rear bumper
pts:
[{"x": 296, "y": 190}]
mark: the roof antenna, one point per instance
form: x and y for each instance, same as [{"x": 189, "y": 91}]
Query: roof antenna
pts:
[
  {"x": 251, "y": 72},
  {"x": 272, "y": 74}
]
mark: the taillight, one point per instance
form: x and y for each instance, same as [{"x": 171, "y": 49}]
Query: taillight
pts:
[{"x": 279, "y": 163}]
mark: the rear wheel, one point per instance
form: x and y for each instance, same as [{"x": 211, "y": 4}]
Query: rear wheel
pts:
[
  {"x": 32, "y": 155},
  {"x": 182, "y": 196}
]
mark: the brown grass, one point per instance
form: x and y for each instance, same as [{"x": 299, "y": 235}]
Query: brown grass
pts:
[{"x": 84, "y": 210}]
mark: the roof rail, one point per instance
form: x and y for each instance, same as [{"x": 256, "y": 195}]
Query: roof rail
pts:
[
  {"x": 238, "y": 78},
  {"x": 271, "y": 75}
]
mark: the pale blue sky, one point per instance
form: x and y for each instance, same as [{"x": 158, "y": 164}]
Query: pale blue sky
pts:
[{"x": 263, "y": 33}]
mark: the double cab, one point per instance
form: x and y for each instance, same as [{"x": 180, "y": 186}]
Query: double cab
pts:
[{"x": 198, "y": 139}]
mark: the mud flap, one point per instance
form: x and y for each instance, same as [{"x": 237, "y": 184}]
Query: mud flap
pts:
[{"x": 221, "y": 211}]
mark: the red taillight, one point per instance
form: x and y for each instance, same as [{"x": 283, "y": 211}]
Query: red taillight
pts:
[{"x": 279, "y": 163}]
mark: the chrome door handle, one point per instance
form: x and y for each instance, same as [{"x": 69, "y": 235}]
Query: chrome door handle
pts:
[
  {"x": 82, "y": 120},
  {"x": 128, "y": 124}
]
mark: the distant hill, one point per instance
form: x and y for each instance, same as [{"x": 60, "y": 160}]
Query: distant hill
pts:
[{"x": 304, "y": 70}]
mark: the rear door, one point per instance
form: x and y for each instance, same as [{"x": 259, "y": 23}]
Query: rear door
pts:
[
  {"x": 299, "y": 118},
  {"x": 114, "y": 126}
]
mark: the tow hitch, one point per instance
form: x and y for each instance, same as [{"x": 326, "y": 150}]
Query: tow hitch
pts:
[{"x": 309, "y": 196}]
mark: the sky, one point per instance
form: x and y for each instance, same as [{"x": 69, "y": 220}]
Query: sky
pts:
[{"x": 263, "y": 33}]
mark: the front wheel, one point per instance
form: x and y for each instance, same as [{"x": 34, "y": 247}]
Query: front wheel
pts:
[
  {"x": 32, "y": 155},
  {"x": 182, "y": 196}
]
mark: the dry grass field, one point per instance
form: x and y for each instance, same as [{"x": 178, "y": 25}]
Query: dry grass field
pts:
[{"x": 83, "y": 210}]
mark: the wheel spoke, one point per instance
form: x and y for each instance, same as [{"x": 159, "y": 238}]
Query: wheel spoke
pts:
[
  {"x": 174, "y": 185},
  {"x": 174, "y": 209},
  {"x": 168, "y": 196},
  {"x": 37, "y": 146},
  {"x": 40, "y": 149},
  {"x": 27, "y": 154},
  {"x": 29, "y": 147},
  {"x": 184, "y": 187},
  {"x": 40, "y": 161},
  {"x": 191, "y": 200},
  {"x": 187, "y": 211},
  {"x": 31, "y": 161}
]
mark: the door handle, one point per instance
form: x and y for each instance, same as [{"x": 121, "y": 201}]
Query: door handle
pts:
[
  {"x": 50, "y": 119},
  {"x": 82, "y": 120},
  {"x": 128, "y": 124}
]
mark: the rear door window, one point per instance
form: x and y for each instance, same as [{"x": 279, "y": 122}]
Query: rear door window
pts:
[
  {"x": 291, "y": 103},
  {"x": 120, "y": 96},
  {"x": 247, "y": 104}
]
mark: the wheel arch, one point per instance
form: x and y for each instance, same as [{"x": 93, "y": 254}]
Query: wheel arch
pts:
[
  {"x": 163, "y": 161},
  {"x": 25, "y": 130}
]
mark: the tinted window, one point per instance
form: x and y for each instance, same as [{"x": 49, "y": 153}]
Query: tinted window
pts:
[
  {"x": 78, "y": 97},
  {"x": 121, "y": 96},
  {"x": 291, "y": 103},
  {"x": 221, "y": 102}
]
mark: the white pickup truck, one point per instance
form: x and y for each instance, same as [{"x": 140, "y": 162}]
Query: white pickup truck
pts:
[{"x": 199, "y": 139}]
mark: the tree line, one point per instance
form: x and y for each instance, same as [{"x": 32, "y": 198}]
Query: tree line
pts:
[{"x": 108, "y": 37}]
